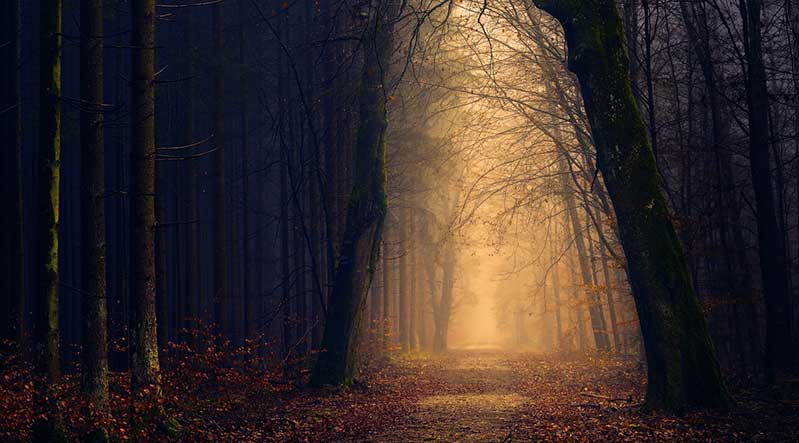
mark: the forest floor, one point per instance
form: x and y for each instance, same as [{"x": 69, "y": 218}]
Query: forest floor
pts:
[
  {"x": 487, "y": 396},
  {"x": 480, "y": 396}
]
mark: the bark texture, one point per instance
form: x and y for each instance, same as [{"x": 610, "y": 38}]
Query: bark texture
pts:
[
  {"x": 682, "y": 368},
  {"x": 145, "y": 369},
  {"x": 48, "y": 426},
  {"x": 366, "y": 211},
  {"x": 94, "y": 356}
]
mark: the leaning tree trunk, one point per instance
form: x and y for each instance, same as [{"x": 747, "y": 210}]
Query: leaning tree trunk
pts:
[
  {"x": 48, "y": 426},
  {"x": 94, "y": 355},
  {"x": 12, "y": 298},
  {"x": 682, "y": 367},
  {"x": 360, "y": 248}
]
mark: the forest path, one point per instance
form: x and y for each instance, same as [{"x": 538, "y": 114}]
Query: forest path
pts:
[
  {"x": 466, "y": 396},
  {"x": 496, "y": 396}
]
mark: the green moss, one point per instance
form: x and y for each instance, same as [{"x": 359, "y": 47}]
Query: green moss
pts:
[{"x": 682, "y": 368}]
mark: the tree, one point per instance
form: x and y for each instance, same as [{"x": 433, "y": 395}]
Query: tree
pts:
[
  {"x": 218, "y": 161},
  {"x": 402, "y": 314},
  {"x": 366, "y": 211},
  {"x": 94, "y": 356},
  {"x": 48, "y": 426},
  {"x": 12, "y": 298},
  {"x": 145, "y": 370},
  {"x": 598, "y": 324},
  {"x": 682, "y": 367},
  {"x": 773, "y": 268}
]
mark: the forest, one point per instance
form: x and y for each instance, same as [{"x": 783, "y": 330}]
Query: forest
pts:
[{"x": 399, "y": 221}]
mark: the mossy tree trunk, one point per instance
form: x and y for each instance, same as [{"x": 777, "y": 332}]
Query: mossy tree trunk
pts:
[
  {"x": 94, "y": 356},
  {"x": 12, "y": 298},
  {"x": 366, "y": 211},
  {"x": 682, "y": 368},
  {"x": 48, "y": 426}
]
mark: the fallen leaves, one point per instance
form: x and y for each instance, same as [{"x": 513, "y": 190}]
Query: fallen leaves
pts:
[{"x": 223, "y": 394}]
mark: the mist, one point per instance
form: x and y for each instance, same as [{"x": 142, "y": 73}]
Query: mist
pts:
[{"x": 384, "y": 221}]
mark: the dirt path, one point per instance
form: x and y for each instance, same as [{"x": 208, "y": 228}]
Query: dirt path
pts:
[
  {"x": 491, "y": 396},
  {"x": 465, "y": 397}
]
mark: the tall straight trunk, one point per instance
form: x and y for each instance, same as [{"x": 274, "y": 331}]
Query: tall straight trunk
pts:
[
  {"x": 413, "y": 302},
  {"x": 593, "y": 293},
  {"x": 246, "y": 157},
  {"x": 386, "y": 322},
  {"x": 421, "y": 310},
  {"x": 12, "y": 296},
  {"x": 145, "y": 382},
  {"x": 740, "y": 277},
  {"x": 546, "y": 319},
  {"x": 94, "y": 356},
  {"x": 556, "y": 296},
  {"x": 330, "y": 139},
  {"x": 792, "y": 9},
  {"x": 374, "y": 306},
  {"x": 577, "y": 311},
  {"x": 48, "y": 425},
  {"x": 614, "y": 328},
  {"x": 300, "y": 274},
  {"x": 193, "y": 302},
  {"x": 162, "y": 292},
  {"x": 773, "y": 269},
  {"x": 402, "y": 313},
  {"x": 440, "y": 343},
  {"x": 285, "y": 198},
  {"x": 594, "y": 307},
  {"x": 218, "y": 166},
  {"x": 360, "y": 248},
  {"x": 649, "y": 78},
  {"x": 682, "y": 367}
]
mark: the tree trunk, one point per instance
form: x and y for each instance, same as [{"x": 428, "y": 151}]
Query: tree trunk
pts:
[
  {"x": 94, "y": 356},
  {"x": 445, "y": 308},
  {"x": 12, "y": 296},
  {"x": 682, "y": 367},
  {"x": 577, "y": 311},
  {"x": 386, "y": 326},
  {"x": 221, "y": 312},
  {"x": 413, "y": 302},
  {"x": 792, "y": 9},
  {"x": 614, "y": 328},
  {"x": 556, "y": 295},
  {"x": 360, "y": 248},
  {"x": 145, "y": 378},
  {"x": 594, "y": 307},
  {"x": 48, "y": 425},
  {"x": 773, "y": 269},
  {"x": 193, "y": 302},
  {"x": 402, "y": 228},
  {"x": 740, "y": 277}
]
